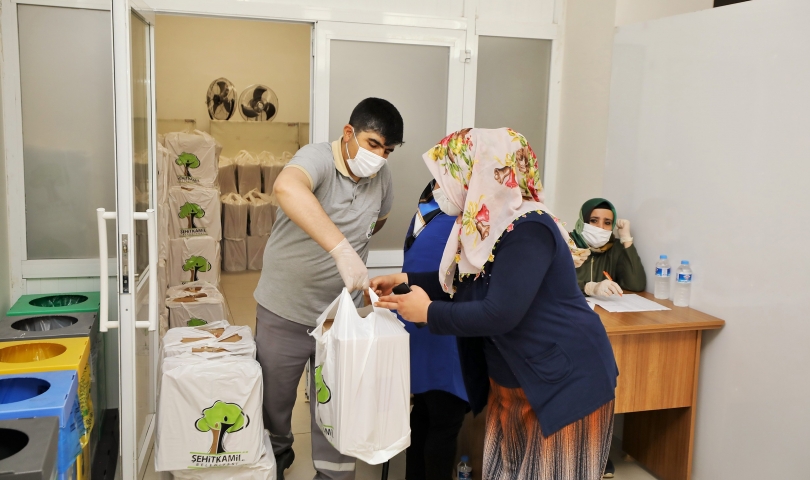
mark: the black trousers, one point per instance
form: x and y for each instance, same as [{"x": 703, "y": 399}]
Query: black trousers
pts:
[{"x": 436, "y": 419}]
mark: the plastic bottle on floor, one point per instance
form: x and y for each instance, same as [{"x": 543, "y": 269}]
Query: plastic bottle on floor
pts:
[
  {"x": 662, "y": 274},
  {"x": 464, "y": 468},
  {"x": 683, "y": 285}
]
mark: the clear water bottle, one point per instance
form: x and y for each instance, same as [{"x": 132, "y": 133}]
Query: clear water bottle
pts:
[
  {"x": 464, "y": 468},
  {"x": 683, "y": 284},
  {"x": 662, "y": 274}
]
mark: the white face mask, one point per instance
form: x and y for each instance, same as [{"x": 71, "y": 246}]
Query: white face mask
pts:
[
  {"x": 595, "y": 236},
  {"x": 366, "y": 163},
  {"x": 445, "y": 205}
]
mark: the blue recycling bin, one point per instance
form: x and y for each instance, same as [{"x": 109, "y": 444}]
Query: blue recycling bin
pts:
[{"x": 47, "y": 394}]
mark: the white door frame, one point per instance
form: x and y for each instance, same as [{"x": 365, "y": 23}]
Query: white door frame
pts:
[{"x": 134, "y": 451}]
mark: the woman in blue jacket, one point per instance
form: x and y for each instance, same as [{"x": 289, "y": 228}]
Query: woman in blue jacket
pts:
[
  {"x": 439, "y": 398},
  {"x": 530, "y": 347}
]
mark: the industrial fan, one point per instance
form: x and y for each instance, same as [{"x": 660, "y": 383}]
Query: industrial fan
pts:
[
  {"x": 221, "y": 99},
  {"x": 258, "y": 103}
]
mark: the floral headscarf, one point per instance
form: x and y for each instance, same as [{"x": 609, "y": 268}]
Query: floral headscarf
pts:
[{"x": 492, "y": 175}]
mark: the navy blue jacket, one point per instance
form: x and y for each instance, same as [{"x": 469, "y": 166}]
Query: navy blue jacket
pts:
[{"x": 528, "y": 302}]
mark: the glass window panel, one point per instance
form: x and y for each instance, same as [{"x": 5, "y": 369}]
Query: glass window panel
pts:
[
  {"x": 66, "y": 80},
  {"x": 512, "y": 87},
  {"x": 416, "y": 83},
  {"x": 141, "y": 132}
]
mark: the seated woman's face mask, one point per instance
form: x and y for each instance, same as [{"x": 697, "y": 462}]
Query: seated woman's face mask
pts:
[
  {"x": 445, "y": 205},
  {"x": 595, "y": 236}
]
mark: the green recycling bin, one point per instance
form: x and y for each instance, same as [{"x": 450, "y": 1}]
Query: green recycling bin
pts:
[{"x": 56, "y": 303}]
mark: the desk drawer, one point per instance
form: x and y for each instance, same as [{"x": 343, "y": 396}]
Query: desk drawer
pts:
[{"x": 656, "y": 370}]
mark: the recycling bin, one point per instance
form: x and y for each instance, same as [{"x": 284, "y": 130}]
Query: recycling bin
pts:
[
  {"x": 56, "y": 304},
  {"x": 28, "y": 448},
  {"x": 47, "y": 394}
]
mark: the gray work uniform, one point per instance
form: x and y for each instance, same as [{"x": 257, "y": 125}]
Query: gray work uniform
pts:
[{"x": 298, "y": 282}]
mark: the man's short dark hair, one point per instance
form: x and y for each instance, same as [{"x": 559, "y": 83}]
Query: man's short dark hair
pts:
[{"x": 379, "y": 116}]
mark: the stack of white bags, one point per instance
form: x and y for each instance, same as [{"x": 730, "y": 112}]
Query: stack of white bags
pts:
[
  {"x": 189, "y": 207},
  {"x": 210, "y": 406}
]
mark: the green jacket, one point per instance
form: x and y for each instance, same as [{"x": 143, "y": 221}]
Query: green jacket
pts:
[{"x": 623, "y": 264}]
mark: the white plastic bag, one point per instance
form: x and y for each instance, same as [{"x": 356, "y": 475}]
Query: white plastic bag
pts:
[
  {"x": 248, "y": 172},
  {"x": 216, "y": 339},
  {"x": 195, "y": 212},
  {"x": 234, "y": 216},
  {"x": 261, "y": 213},
  {"x": 264, "y": 470},
  {"x": 362, "y": 380},
  {"x": 227, "y": 176},
  {"x": 255, "y": 251},
  {"x": 234, "y": 255},
  {"x": 192, "y": 259},
  {"x": 195, "y": 304},
  {"x": 209, "y": 413},
  {"x": 271, "y": 167},
  {"x": 193, "y": 157}
]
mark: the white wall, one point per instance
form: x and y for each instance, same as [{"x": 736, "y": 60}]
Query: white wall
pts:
[
  {"x": 635, "y": 11},
  {"x": 190, "y": 52},
  {"x": 589, "y": 30},
  {"x": 707, "y": 154}
]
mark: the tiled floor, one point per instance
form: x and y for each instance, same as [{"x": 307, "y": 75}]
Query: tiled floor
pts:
[{"x": 238, "y": 291}]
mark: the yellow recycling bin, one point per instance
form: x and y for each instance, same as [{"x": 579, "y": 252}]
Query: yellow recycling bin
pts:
[{"x": 46, "y": 355}]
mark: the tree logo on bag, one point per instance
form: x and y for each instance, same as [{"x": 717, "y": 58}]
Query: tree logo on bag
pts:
[
  {"x": 220, "y": 419},
  {"x": 196, "y": 264},
  {"x": 187, "y": 160},
  {"x": 322, "y": 392},
  {"x": 191, "y": 211}
]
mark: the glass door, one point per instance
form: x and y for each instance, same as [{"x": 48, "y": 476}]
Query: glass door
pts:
[{"x": 133, "y": 25}]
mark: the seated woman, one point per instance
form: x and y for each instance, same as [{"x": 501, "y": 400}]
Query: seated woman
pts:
[
  {"x": 530, "y": 347},
  {"x": 439, "y": 398},
  {"x": 616, "y": 256}
]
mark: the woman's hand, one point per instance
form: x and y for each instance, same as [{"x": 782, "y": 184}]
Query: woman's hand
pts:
[
  {"x": 383, "y": 285},
  {"x": 623, "y": 230},
  {"x": 413, "y": 306}
]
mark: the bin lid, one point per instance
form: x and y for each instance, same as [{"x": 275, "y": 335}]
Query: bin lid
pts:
[
  {"x": 38, "y": 394},
  {"x": 53, "y": 303},
  {"x": 36, "y": 443}
]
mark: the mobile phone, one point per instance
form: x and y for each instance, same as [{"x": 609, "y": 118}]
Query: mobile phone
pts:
[{"x": 403, "y": 289}]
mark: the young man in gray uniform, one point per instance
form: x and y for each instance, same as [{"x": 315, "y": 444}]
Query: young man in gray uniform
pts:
[{"x": 332, "y": 198}]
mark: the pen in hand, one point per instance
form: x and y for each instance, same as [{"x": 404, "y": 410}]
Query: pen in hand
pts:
[{"x": 609, "y": 278}]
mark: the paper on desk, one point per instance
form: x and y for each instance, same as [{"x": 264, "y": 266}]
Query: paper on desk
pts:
[
  {"x": 590, "y": 303},
  {"x": 627, "y": 303}
]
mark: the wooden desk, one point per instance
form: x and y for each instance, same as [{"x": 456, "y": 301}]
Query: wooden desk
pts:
[{"x": 658, "y": 354}]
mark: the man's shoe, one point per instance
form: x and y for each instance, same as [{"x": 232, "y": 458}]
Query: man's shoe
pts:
[
  {"x": 283, "y": 461},
  {"x": 609, "y": 470}
]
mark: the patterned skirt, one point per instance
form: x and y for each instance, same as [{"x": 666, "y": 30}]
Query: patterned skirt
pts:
[{"x": 515, "y": 448}]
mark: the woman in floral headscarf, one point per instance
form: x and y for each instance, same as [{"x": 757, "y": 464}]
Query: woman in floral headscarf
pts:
[{"x": 530, "y": 347}]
